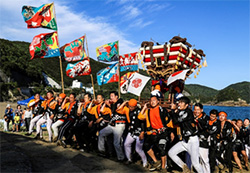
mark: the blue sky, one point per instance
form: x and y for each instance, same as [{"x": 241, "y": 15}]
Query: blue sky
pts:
[{"x": 220, "y": 28}]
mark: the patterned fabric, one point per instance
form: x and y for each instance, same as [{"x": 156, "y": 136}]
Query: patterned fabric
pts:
[
  {"x": 74, "y": 51},
  {"x": 42, "y": 16},
  {"x": 108, "y": 52},
  {"x": 128, "y": 62},
  {"x": 78, "y": 69},
  {"x": 44, "y": 46},
  {"x": 108, "y": 74}
]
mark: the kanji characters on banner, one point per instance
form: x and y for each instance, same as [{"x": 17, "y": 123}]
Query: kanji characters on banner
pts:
[
  {"x": 125, "y": 81},
  {"x": 128, "y": 62},
  {"x": 108, "y": 74},
  {"x": 78, "y": 69}
]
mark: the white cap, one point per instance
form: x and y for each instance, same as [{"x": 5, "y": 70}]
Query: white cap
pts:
[
  {"x": 180, "y": 95},
  {"x": 8, "y": 105}
]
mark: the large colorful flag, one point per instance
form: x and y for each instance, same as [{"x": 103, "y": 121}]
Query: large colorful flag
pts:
[
  {"x": 42, "y": 16},
  {"x": 128, "y": 62},
  {"x": 74, "y": 51},
  {"x": 78, "y": 69},
  {"x": 108, "y": 74},
  {"x": 125, "y": 81},
  {"x": 137, "y": 83},
  {"x": 108, "y": 52},
  {"x": 44, "y": 46},
  {"x": 177, "y": 75}
]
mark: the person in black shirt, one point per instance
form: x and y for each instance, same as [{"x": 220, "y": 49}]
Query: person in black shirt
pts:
[
  {"x": 239, "y": 144},
  {"x": 202, "y": 124},
  {"x": 214, "y": 131},
  {"x": 183, "y": 116}
]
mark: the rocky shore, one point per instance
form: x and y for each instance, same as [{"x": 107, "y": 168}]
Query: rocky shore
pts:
[{"x": 240, "y": 103}]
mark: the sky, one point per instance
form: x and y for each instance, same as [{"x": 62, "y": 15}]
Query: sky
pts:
[{"x": 219, "y": 28}]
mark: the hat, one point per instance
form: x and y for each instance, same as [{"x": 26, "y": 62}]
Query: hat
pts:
[
  {"x": 158, "y": 87},
  {"x": 62, "y": 95},
  {"x": 132, "y": 102},
  {"x": 178, "y": 96},
  {"x": 8, "y": 105}
]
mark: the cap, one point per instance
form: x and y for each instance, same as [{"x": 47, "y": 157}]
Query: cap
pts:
[
  {"x": 158, "y": 87},
  {"x": 8, "y": 105},
  {"x": 132, "y": 102},
  {"x": 223, "y": 113}
]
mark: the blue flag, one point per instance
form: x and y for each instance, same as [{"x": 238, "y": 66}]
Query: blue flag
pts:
[{"x": 108, "y": 74}]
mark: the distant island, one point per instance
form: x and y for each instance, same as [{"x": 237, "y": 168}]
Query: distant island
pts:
[{"x": 18, "y": 72}]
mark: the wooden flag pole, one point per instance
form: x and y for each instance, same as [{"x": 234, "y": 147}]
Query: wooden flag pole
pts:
[
  {"x": 60, "y": 58},
  {"x": 91, "y": 76},
  {"x": 119, "y": 79}
]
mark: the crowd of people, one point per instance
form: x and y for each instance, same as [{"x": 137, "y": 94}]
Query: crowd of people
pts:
[{"x": 163, "y": 139}]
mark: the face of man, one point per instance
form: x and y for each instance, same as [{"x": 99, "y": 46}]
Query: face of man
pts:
[
  {"x": 71, "y": 98},
  {"x": 60, "y": 99},
  {"x": 49, "y": 95},
  {"x": 197, "y": 111},
  {"x": 86, "y": 98},
  {"x": 100, "y": 99},
  {"x": 182, "y": 105},
  {"x": 131, "y": 108},
  {"x": 239, "y": 123},
  {"x": 113, "y": 97},
  {"x": 222, "y": 117},
  {"x": 212, "y": 117},
  {"x": 246, "y": 122},
  {"x": 37, "y": 96},
  {"x": 154, "y": 102}
]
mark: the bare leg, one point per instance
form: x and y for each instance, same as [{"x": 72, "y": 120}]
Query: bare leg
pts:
[
  {"x": 152, "y": 155},
  {"x": 237, "y": 160},
  {"x": 163, "y": 162}
]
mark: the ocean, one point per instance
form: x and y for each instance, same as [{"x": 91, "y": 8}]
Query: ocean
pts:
[{"x": 232, "y": 112}]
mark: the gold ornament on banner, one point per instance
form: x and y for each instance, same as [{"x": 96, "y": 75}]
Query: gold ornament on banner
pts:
[{"x": 194, "y": 76}]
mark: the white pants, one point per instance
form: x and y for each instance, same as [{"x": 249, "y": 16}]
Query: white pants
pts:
[
  {"x": 117, "y": 131},
  {"x": 192, "y": 147},
  {"x": 204, "y": 159},
  {"x": 33, "y": 122},
  {"x": 138, "y": 148},
  {"x": 55, "y": 127},
  {"x": 247, "y": 151},
  {"x": 42, "y": 121},
  {"x": 5, "y": 125}
]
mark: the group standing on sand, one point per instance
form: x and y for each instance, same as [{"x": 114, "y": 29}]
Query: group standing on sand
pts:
[{"x": 164, "y": 139}]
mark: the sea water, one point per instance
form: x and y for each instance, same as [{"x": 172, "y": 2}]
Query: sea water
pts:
[{"x": 232, "y": 112}]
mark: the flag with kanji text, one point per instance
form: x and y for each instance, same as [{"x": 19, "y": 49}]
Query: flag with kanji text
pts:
[
  {"x": 125, "y": 81},
  {"x": 78, "y": 69},
  {"x": 108, "y": 74},
  {"x": 128, "y": 62}
]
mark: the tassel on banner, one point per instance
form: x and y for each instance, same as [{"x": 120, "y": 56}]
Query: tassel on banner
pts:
[
  {"x": 194, "y": 76},
  {"x": 197, "y": 73},
  {"x": 205, "y": 63}
]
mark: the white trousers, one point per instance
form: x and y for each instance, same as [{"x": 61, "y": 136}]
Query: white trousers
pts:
[
  {"x": 33, "y": 122},
  {"x": 5, "y": 126},
  {"x": 42, "y": 121},
  {"x": 117, "y": 131},
  {"x": 204, "y": 159},
  {"x": 55, "y": 127},
  {"x": 192, "y": 147},
  {"x": 247, "y": 151},
  {"x": 138, "y": 148}
]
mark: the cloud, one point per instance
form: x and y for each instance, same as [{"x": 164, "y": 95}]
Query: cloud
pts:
[
  {"x": 71, "y": 25},
  {"x": 130, "y": 12}
]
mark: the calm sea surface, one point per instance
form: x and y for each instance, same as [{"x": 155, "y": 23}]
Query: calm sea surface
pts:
[{"x": 232, "y": 112}]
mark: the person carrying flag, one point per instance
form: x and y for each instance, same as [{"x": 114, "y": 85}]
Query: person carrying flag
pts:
[{"x": 135, "y": 130}]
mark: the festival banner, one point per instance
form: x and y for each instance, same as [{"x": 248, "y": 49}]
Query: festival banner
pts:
[
  {"x": 177, "y": 75},
  {"x": 108, "y": 52},
  {"x": 42, "y": 16},
  {"x": 108, "y": 74},
  {"x": 44, "y": 46},
  {"x": 74, "y": 51},
  {"x": 125, "y": 81},
  {"x": 78, "y": 69},
  {"x": 137, "y": 83},
  {"x": 128, "y": 62}
]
